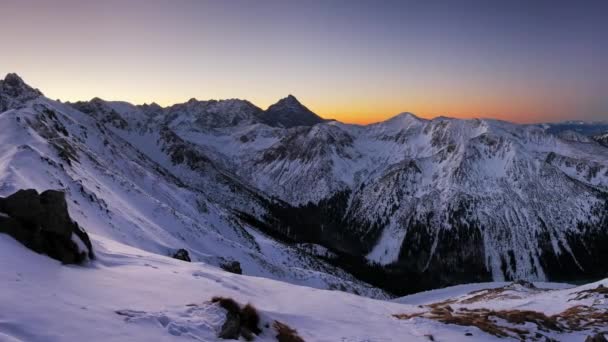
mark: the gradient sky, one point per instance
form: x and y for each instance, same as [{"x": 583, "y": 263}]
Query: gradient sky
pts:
[{"x": 356, "y": 61}]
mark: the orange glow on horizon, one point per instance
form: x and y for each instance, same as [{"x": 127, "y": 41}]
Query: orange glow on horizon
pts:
[
  {"x": 355, "y": 107},
  {"x": 368, "y": 112}
]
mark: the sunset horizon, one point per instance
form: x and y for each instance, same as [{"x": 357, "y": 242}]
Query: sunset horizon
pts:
[
  {"x": 303, "y": 170},
  {"x": 424, "y": 115},
  {"x": 350, "y": 61}
]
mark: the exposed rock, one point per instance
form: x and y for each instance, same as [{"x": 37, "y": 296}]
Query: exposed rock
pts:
[
  {"x": 231, "y": 329},
  {"x": 232, "y": 267},
  {"x": 42, "y": 223},
  {"x": 289, "y": 112},
  {"x": 602, "y": 139},
  {"x": 14, "y": 92},
  {"x": 523, "y": 283},
  {"x": 182, "y": 254},
  {"x": 599, "y": 337}
]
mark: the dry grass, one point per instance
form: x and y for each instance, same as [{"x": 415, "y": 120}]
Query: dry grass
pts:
[
  {"x": 489, "y": 294},
  {"x": 409, "y": 316},
  {"x": 285, "y": 333},
  {"x": 573, "y": 319},
  {"x": 500, "y": 292},
  {"x": 248, "y": 316},
  {"x": 250, "y": 319},
  {"x": 511, "y": 323},
  {"x": 227, "y": 304},
  {"x": 583, "y": 317},
  {"x": 599, "y": 291}
]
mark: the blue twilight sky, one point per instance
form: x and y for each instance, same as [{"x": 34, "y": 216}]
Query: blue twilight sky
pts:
[{"x": 357, "y": 61}]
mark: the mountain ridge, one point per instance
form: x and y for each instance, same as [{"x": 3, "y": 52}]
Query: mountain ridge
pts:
[
  {"x": 443, "y": 201},
  {"x": 290, "y": 97}
]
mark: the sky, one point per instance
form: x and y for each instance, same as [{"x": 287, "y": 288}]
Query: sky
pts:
[{"x": 355, "y": 61}]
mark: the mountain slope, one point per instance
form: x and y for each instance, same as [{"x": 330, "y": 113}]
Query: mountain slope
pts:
[
  {"x": 450, "y": 200},
  {"x": 135, "y": 295},
  {"x": 164, "y": 196},
  {"x": 602, "y": 139},
  {"x": 442, "y": 201}
]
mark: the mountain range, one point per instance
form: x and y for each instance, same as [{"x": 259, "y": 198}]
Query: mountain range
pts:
[{"x": 388, "y": 208}]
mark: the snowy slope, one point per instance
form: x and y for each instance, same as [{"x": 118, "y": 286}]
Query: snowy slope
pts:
[
  {"x": 163, "y": 299},
  {"x": 143, "y": 198}
]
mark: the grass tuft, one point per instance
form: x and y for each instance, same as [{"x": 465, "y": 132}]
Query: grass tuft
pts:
[{"x": 285, "y": 333}]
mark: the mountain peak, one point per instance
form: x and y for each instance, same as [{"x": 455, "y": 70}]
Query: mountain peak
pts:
[
  {"x": 14, "y": 85},
  {"x": 14, "y": 91},
  {"x": 13, "y": 79},
  {"x": 403, "y": 118},
  {"x": 290, "y": 98},
  {"x": 289, "y": 101},
  {"x": 289, "y": 112},
  {"x": 407, "y": 115}
]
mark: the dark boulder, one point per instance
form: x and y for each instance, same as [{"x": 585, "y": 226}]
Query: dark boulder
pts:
[
  {"x": 42, "y": 223},
  {"x": 599, "y": 337},
  {"x": 182, "y": 254},
  {"x": 232, "y": 267}
]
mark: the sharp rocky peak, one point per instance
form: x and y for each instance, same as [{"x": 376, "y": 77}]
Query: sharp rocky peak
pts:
[
  {"x": 289, "y": 112},
  {"x": 14, "y": 91},
  {"x": 13, "y": 79},
  {"x": 290, "y": 101}
]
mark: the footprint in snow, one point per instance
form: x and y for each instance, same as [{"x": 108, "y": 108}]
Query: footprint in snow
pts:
[{"x": 193, "y": 321}]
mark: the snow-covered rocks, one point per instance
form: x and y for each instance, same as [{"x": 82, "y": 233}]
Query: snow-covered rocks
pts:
[{"x": 602, "y": 139}]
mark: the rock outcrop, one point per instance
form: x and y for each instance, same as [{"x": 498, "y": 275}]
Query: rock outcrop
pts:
[
  {"x": 232, "y": 267},
  {"x": 182, "y": 254},
  {"x": 14, "y": 92},
  {"x": 42, "y": 223}
]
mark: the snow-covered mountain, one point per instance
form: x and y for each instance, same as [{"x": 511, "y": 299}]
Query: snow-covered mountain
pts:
[
  {"x": 441, "y": 201},
  {"x": 602, "y": 139},
  {"x": 145, "y": 187},
  {"x": 445, "y": 199}
]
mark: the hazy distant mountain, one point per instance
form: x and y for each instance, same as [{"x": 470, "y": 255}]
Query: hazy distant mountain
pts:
[
  {"x": 405, "y": 204},
  {"x": 581, "y": 127}
]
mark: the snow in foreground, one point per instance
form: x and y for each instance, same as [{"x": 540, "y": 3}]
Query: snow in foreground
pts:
[{"x": 162, "y": 299}]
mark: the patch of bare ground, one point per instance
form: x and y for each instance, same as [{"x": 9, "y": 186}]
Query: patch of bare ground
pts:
[
  {"x": 515, "y": 290},
  {"x": 520, "y": 324},
  {"x": 599, "y": 292}
]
